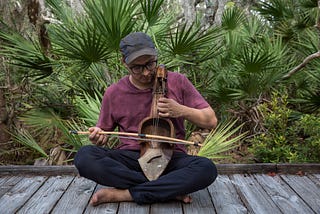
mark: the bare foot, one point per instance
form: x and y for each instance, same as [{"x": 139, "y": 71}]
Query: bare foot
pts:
[
  {"x": 185, "y": 199},
  {"x": 110, "y": 195}
]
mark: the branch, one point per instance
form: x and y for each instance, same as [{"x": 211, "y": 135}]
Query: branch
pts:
[{"x": 302, "y": 65}]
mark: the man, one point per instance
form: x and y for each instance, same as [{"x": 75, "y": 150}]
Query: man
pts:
[{"x": 125, "y": 104}]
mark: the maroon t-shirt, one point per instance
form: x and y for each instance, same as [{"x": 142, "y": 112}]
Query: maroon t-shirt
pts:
[{"x": 125, "y": 106}]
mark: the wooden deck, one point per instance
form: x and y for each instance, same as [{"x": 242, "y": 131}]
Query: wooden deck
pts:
[{"x": 264, "y": 188}]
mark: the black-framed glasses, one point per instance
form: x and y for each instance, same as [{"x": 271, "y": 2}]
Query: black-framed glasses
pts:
[{"x": 138, "y": 69}]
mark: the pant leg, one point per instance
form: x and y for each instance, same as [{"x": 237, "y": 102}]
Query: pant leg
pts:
[
  {"x": 110, "y": 167},
  {"x": 184, "y": 174}
]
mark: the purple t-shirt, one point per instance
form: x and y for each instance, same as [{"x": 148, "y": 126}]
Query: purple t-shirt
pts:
[{"x": 125, "y": 106}]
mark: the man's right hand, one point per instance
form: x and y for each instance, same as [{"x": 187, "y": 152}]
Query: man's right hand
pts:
[{"x": 96, "y": 138}]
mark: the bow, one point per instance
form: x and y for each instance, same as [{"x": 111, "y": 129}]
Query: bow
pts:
[{"x": 142, "y": 137}]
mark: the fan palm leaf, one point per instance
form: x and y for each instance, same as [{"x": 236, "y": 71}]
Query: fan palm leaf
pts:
[
  {"x": 276, "y": 10},
  {"x": 114, "y": 19},
  {"x": 83, "y": 44},
  {"x": 221, "y": 140},
  {"x": 151, "y": 10},
  {"x": 191, "y": 45},
  {"x": 232, "y": 19},
  {"x": 26, "y": 139},
  {"x": 26, "y": 53}
]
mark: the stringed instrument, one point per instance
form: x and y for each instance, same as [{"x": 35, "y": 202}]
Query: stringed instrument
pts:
[{"x": 155, "y": 156}]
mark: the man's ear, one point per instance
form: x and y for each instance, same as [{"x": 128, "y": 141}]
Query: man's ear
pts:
[
  {"x": 124, "y": 63},
  {"x": 122, "y": 60}
]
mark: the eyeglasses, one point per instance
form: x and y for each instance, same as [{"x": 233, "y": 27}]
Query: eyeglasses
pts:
[{"x": 138, "y": 69}]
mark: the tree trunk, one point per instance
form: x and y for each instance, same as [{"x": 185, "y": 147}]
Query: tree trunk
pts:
[
  {"x": 189, "y": 10},
  {"x": 4, "y": 135}
]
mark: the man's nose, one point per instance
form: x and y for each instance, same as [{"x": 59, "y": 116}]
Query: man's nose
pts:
[{"x": 145, "y": 71}]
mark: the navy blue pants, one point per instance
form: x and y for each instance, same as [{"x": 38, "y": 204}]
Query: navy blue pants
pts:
[{"x": 120, "y": 169}]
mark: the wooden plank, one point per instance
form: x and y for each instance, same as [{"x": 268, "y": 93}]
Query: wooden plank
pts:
[
  {"x": 3, "y": 179},
  {"x": 76, "y": 197},
  {"x": 47, "y": 196},
  {"x": 8, "y": 184},
  {"x": 253, "y": 196},
  {"x": 315, "y": 179},
  {"x": 133, "y": 208},
  {"x": 291, "y": 168},
  {"x": 228, "y": 169},
  {"x": 201, "y": 203},
  {"x": 306, "y": 189},
  {"x": 38, "y": 170},
  {"x": 222, "y": 169},
  {"x": 172, "y": 207},
  {"x": 225, "y": 197},
  {"x": 108, "y": 208},
  {"x": 282, "y": 195},
  {"x": 20, "y": 193}
]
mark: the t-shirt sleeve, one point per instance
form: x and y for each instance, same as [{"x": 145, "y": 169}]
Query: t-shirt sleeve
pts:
[
  {"x": 191, "y": 96},
  {"x": 106, "y": 120}
]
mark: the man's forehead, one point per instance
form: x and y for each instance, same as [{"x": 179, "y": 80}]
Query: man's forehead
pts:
[{"x": 143, "y": 59}]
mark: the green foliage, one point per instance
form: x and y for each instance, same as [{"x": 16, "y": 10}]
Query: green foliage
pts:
[
  {"x": 286, "y": 139},
  {"x": 221, "y": 139},
  {"x": 25, "y": 53},
  {"x": 234, "y": 66},
  {"x": 25, "y": 138}
]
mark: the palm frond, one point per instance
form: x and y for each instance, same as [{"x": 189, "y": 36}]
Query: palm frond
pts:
[
  {"x": 26, "y": 53},
  {"x": 191, "y": 45},
  {"x": 83, "y": 43},
  {"x": 114, "y": 19},
  {"x": 88, "y": 108},
  {"x": 276, "y": 10},
  {"x": 220, "y": 140},
  {"x": 25, "y": 138},
  {"x": 233, "y": 18},
  {"x": 151, "y": 10},
  {"x": 62, "y": 12}
]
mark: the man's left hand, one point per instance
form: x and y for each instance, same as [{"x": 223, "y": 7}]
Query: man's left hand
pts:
[{"x": 169, "y": 108}]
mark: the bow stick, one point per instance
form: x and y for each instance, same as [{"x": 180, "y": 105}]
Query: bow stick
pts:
[{"x": 143, "y": 137}]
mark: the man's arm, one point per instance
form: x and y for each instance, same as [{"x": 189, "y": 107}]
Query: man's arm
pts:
[{"x": 204, "y": 118}]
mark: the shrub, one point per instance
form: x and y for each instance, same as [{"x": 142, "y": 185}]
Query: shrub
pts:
[{"x": 286, "y": 138}]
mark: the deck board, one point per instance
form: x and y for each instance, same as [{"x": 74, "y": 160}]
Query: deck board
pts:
[
  {"x": 45, "y": 198},
  {"x": 55, "y": 190},
  {"x": 282, "y": 195},
  {"x": 76, "y": 197},
  {"x": 201, "y": 203},
  {"x": 8, "y": 183},
  {"x": 20, "y": 193},
  {"x": 253, "y": 195},
  {"x": 306, "y": 189},
  {"x": 225, "y": 197}
]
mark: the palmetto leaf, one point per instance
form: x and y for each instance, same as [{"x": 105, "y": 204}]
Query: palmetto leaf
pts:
[
  {"x": 233, "y": 18},
  {"x": 193, "y": 45},
  {"x": 220, "y": 140},
  {"x": 114, "y": 19},
  {"x": 44, "y": 125},
  {"x": 25, "y": 138},
  {"x": 276, "y": 10},
  {"x": 82, "y": 43},
  {"x": 25, "y": 53},
  {"x": 151, "y": 10},
  {"x": 89, "y": 108}
]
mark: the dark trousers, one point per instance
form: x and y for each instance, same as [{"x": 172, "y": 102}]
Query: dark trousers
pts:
[{"x": 120, "y": 169}]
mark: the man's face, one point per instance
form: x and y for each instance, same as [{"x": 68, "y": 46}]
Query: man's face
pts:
[{"x": 143, "y": 69}]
